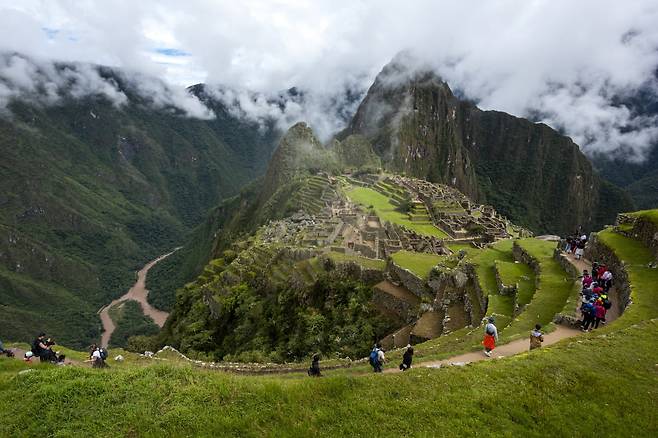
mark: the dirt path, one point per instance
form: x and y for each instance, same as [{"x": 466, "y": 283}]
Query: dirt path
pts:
[
  {"x": 137, "y": 293},
  {"x": 523, "y": 345}
]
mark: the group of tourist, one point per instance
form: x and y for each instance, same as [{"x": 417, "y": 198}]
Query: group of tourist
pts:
[
  {"x": 42, "y": 349},
  {"x": 595, "y": 301},
  {"x": 576, "y": 245}
]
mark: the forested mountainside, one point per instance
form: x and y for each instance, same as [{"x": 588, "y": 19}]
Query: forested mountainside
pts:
[
  {"x": 526, "y": 170},
  {"x": 89, "y": 191}
]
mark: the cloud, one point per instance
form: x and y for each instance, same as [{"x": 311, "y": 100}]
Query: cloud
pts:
[
  {"x": 47, "y": 83},
  {"x": 565, "y": 62}
]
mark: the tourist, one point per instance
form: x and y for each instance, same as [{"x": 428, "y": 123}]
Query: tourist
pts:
[
  {"x": 587, "y": 279},
  {"x": 314, "y": 370},
  {"x": 536, "y": 337},
  {"x": 607, "y": 280},
  {"x": 4, "y": 351},
  {"x": 61, "y": 360},
  {"x": 377, "y": 358},
  {"x": 580, "y": 250},
  {"x": 589, "y": 314},
  {"x": 599, "y": 312},
  {"x": 40, "y": 349},
  {"x": 490, "y": 336},
  {"x": 97, "y": 358},
  {"x": 595, "y": 271},
  {"x": 407, "y": 357}
]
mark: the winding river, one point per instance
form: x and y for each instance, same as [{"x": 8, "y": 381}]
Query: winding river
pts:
[{"x": 137, "y": 293}]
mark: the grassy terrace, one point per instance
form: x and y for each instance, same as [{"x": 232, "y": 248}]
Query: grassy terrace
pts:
[
  {"x": 502, "y": 307},
  {"x": 530, "y": 395},
  {"x": 387, "y": 211},
  {"x": 363, "y": 261},
  {"x": 651, "y": 215},
  {"x": 419, "y": 263},
  {"x": 555, "y": 286},
  {"x": 520, "y": 274}
]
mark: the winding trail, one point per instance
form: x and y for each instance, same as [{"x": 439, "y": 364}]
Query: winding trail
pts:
[
  {"x": 137, "y": 293},
  {"x": 522, "y": 345}
]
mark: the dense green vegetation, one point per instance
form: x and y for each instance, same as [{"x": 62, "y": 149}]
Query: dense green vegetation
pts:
[
  {"x": 386, "y": 211},
  {"x": 268, "y": 323},
  {"x": 130, "y": 321},
  {"x": 91, "y": 191}
]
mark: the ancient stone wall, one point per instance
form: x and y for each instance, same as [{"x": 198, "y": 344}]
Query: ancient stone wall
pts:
[
  {"x": 646, "y": 232},
  {"x": 416, "y": 285}
]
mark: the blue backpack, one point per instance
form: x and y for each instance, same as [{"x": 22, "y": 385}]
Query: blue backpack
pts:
[{"x": 374, "y": 357}]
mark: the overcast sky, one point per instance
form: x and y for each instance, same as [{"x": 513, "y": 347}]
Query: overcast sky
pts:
[{"x": 563, "y": 59}]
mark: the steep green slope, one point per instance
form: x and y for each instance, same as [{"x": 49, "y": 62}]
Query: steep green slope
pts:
[
  {"x": 90, "y": 191},
  {"x": 420, "y": 128}
]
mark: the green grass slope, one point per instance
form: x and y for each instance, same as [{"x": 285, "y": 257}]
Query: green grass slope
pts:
[{"x": 546, "y": 393}]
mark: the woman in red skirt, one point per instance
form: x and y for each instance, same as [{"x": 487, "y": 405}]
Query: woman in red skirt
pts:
[{"x": 490, "y": 336}]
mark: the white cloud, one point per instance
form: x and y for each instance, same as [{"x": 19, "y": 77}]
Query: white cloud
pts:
[{"x": 562, "y": 59}]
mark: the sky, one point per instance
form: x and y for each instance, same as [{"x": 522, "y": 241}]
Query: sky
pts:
[{"x": 561, "y": 62}]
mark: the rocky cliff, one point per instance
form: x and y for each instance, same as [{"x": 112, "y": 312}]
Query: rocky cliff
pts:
[{"x": 526, "y": 170}]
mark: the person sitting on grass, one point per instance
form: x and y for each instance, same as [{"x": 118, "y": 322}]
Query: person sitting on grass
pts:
[
  {"x": 4, "y": 351},
  {"x": 314, "y": 370},
  {"x": 536, "y": 337},
  {"x": 97, "y": 360}
]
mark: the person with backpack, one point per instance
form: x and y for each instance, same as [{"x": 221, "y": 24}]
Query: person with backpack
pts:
[
  {"x": 377, "y": 358},
  {"x": 407, "y": 357},
  {"x": 314, "y": 370},
  {"x": 599, "y": 313},
  {"x": 490, "y": 336},
  {"x": 589, "y": 314},
  {"x": 98, "y": 358},
  {"x": 536, "y": 337}
]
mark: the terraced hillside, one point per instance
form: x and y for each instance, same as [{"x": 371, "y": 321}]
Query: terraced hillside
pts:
[{"x": 527, "y": 394}]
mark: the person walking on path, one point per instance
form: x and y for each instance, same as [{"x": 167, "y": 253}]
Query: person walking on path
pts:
[
  {"x": 490, "y": 336},
  {"x": 377, "y": 358},
  {"x": 536, "y": 337},
  {"x": 600, "y": 312},
  {"x": 407, "y": 357},
  {"x": 314, "y": 370},
  {"x": 589, "y": 314}
]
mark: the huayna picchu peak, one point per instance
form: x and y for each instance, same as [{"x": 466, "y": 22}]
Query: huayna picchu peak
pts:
[{"x": 527, "y": 170}]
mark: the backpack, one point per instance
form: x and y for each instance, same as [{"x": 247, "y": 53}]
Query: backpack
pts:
[
  {"x": 374, "y": 357},
  {"x": 104, "y": 354},
  {"x": 607, "y": 304}
]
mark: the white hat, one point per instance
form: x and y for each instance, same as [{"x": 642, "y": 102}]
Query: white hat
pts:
[{"x": 29, "y": 354}]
